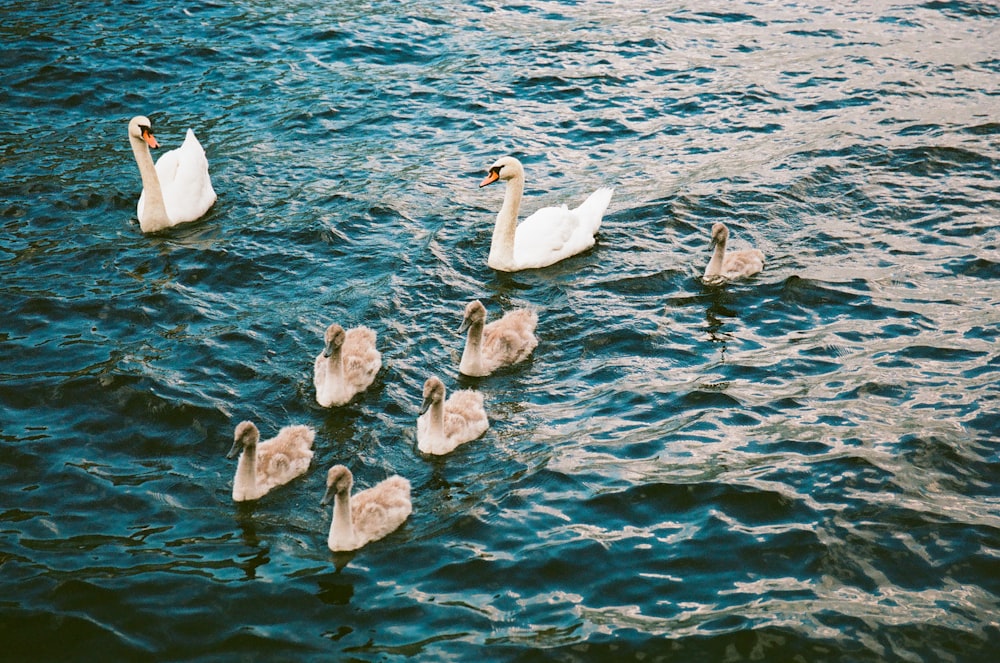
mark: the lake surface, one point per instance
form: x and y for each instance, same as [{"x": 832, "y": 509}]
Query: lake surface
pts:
[{"x": 799, "y": 466}]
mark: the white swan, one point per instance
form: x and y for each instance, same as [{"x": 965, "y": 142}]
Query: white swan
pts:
[
  {"x": 367, "y": 516},
  {"x": 500, "y": 343},
  {"x": 266, "y": 465},
  {"x": 548, "y": 235},
  {"x": 346, "y": 366},
  {"x": 178, "y": 189},
  {"x": 443, "y": 426},
  {"x": 732, "y": 265}
]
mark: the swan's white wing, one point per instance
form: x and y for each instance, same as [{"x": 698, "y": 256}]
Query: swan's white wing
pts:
[
  {"x": 542, "y": 238},
  {"x": 185, "y": 182},
  {"x": 554, "y": 233},
  {"x": 591, "y": 212}
]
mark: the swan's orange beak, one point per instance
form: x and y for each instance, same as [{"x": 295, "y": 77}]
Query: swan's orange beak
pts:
[
  {"x": 147, "y": 136},
  {"x": 490, "y": 179}
]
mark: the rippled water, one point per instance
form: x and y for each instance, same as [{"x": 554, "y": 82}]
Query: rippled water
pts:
[{"x": 801, "y": 465}]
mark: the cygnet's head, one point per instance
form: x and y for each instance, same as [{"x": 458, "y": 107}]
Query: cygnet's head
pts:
[
  {"x": 720, "y": 234},
  {"x": 504, "y": 168},
  {"x": 245, "y": 436},
  {"x": 334, "y": 339},
  {"x": 339, "y": 481},
  {"x": 140, "y": 127},
  {"x": 433, "y": 393},
  {"x": 475, "y": 314}
]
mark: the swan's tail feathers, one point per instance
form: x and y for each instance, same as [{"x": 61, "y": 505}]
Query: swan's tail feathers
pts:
[
  {"x": 595, "y": 205},
  {"x": 191, "y": 142}
]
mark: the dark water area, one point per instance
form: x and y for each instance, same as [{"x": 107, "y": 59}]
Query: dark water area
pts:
[{"x": 799, "y": 466}]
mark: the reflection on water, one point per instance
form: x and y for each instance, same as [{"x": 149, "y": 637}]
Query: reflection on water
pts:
[
  {"x": 257, "y": 553},
  {"x": 335, "y": 589},
  {"x": 716, "y": 314},
  {"x": 800, "y": 465}
]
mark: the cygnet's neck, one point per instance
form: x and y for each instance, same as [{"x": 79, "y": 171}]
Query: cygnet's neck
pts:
[
  {"x": 342, "y": 528},
  {"x": 714, "y": 267},
  {"x": 245, "y": 483},
  {"x": 335, "y": 371},
  {"x": 472, "y": 356},
  {"x": 502, "y": 247},
  {"x": 435, "y": 420},
  {"x": 154, "y": 211}
]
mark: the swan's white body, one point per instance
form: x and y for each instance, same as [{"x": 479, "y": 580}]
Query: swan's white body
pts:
[
  {"x": 547, "y": 236},
  {"x": 347, "y": 365},
  {"x": 732, "y": 265},
  {"x": 266, "y": 465},
  {"x": 368, "y": 515},
  {"x": 443, "y": 426},
  {"x": 501, "y": 343},
  {"x": 178, "y": 189}
]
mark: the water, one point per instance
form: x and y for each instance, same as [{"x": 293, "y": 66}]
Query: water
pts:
[{"x": 803, "y": 465}]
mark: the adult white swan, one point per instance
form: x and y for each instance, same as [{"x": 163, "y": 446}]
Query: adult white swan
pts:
[
  {"x": 178, "y": 189},
  {"x": 733, "y": 265},
  {"x": 266, "y": 465},
  {"x": 501, "y": 343},
  {"x": 441, "y": 426},
  {"x": 548, "y": 235},
  {"x": 367, "y": 516}
]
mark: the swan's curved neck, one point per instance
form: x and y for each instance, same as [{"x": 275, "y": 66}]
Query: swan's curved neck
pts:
[
  {"x": 714, "y": 267},
  {"x": 342, "y": 529},
  {"x": 154, "y": 213},
  {"x": 332, "y": 388},
  {"x": 335, "y": 367},
  {"x": 436, "y": 420},
  {"x": 472, "y": 356},
  {"x": 502, "y": 248},
  {"x": 245, "y": 484}
]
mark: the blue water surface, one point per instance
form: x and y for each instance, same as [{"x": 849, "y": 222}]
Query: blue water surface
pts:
[{"x": 800, "y": 466}]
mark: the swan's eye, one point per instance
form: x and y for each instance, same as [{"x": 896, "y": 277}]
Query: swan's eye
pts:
[{"x": 495, "y": 170}]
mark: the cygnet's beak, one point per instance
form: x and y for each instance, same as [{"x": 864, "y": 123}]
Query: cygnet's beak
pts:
[
  {"x": 465, "y": 325},
  {"x": 236, "y": 449},
  {"x": 426, "y": 405},
  {"x": 327, "y": 496},
  {"x": 491, "y": 178}
]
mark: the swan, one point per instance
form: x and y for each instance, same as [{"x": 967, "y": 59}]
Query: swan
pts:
[
  {"x": 369, "y": 515},
  {"x": 266, "y": 465},
  {"x": 505, "y": 341},
  {"x": 178, "y": 189},
  {"x": 346, "y": 366},
  {"x": 548, "y": 235},
  {"x": 443, "y": 426},
  {"x": 733, "y": 265}
]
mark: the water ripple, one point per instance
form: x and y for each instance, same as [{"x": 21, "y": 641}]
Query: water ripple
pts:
[{"x": 797, "y": 466}]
